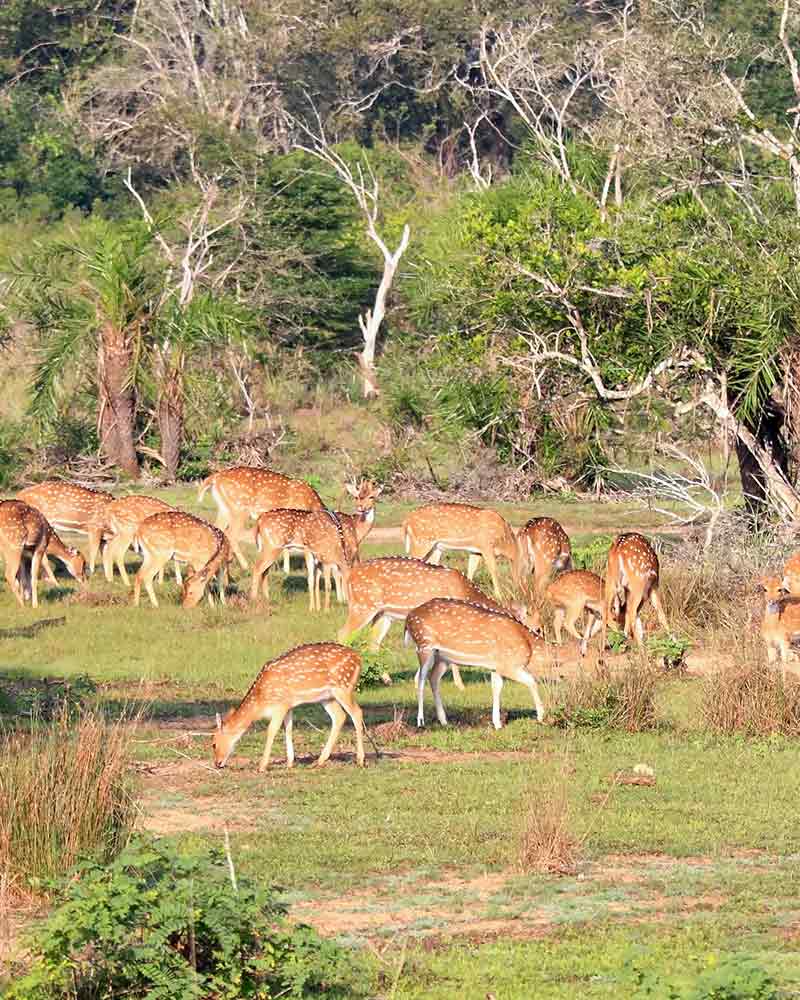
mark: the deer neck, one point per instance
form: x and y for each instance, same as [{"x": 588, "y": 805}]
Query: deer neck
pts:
[
  {"x": 364, "y": 521},
  {"x": 55, "y": 547}
]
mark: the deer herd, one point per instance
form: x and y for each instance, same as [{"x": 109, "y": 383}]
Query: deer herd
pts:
[{"x": 449, "y": 619}]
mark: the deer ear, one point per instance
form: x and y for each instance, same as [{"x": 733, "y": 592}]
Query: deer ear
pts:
[
  {"x": 351, "y": 489},
  {"x": 219, "y": 721}
]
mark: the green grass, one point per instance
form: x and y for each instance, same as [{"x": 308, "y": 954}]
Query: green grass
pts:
[{"x": 406, "y": 842}]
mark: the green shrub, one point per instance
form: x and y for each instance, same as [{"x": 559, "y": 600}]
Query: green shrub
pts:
[
  {"x": 63, "y": 794},
  {"x": 164, "y": 925},
  {"x": 736, "y": 977},
  {"x": 12, "y": 453},
  {"x": 594, "y": 555}
]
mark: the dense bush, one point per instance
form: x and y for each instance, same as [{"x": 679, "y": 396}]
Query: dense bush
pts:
[{"x": 164, "y": 925}]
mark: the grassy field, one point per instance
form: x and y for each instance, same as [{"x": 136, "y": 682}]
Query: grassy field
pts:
[{"x": 415, "y": 860}]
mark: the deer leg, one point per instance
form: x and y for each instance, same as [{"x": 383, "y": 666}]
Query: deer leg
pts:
[
  {"x": 221, "y": 572},
  {"x": 572, "y": 616},
  {"x": 379, "y": 630},
  {"x": 457, "y": 677},
  {"x": 348, "y": 702},
  {"x": 327, "y": 573},
  {"x": 36, "y": 561},
  {"x": 287, "y": 562},
  {"x": 311, "y": 572},
  {"x": 558, "y": 622},
  {"x": 238, "y": 524},
  {"x": 473, "y": 562},
  {"x": 48, "y": 571},
  {"x": 497, "y": 687},
  {"x": 436, "y": 686},
  {"x": 491, "y": 565},
  {"x": 287, "y": 728},
  {"x": 274, "y": 726},
  {"x": 147, "y": 571},
  {"x": 265, "y": 558},
  {"x": 522, "y": 675},
  {"x": 338, "y": 715},
  {"x": 655, "y": 600},
  {"x": 426, "y": 660},
  {"x": 434, "y": 556},
  {"x": 593, "y": 625},
  {"x": 13, "y": 567}
]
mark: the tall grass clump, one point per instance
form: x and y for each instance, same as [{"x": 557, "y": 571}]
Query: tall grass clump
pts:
[
  {"x": 619, "y": 699},
  {"x": 751, "y": 698},
  {"x": 548, "y": 845},
  {"x": 64, "y": 794}
]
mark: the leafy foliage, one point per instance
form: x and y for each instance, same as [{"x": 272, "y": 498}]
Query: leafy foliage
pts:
[
  {"x": 736, "y": 977},
  {"x": 160, "y": 923}
]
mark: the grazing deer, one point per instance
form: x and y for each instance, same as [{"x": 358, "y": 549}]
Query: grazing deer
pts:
[
  {"x": 546, "y": 549},
  {"x": 384, "y": 590},
  {"x": 24, "y": 530},
  {"x": 791, "y": 574},
  {"x": 318, "y": 673},
  {"x": 173, "y": 534},
  {"x": 117, "y": 523},
  {"x": 67, "y": 507},
  {"x": 781, "y": 625},
  {"x": 449, "y": 632},
  {"x": 318, "y": 533},
  {"x": 571, "y": 594},
  {"x": 242, "y": 493},
  {"x": 432, "y": 529},
  {"x": 631, "y": 579}
]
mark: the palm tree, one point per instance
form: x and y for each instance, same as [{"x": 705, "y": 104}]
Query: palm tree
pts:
[
  {"x": 179, "y": 331},
  {"x": 92, "y": 299}
]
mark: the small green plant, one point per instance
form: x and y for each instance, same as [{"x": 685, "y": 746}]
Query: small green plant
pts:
[
  {"x": 670, "y": 649},
  {"x": 163, "y": 925},
  {"x": 376, "y": 663},
  {"x": 733, "y": 978},
  {"x": 592, "y": 556}
]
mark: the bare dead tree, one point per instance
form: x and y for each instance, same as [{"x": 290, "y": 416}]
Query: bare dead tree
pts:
[{"x": 362, "y": 183}]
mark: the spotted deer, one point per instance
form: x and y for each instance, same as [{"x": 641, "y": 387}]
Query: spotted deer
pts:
[
  {"x": 780, "y": 628},
  {"x": 791, "y": 574},
  {"x": 26, "y": 532},
  {"x": 173, "y": 534},
  {"x": 546, "y": 549},
  {"x": 67, "y": 507},
  {"x": 117, "y": 523},
  {"x": 449, "y": 632},
  {"x": 632, "y": 577},
  {"x": 318, "y": 673},
  {"x": 384, "y": 590},
  {"x": 571, "y": 595},
  {"x": 242, "y": 493},
  {"x": 482, "y": 533},
  {"x": 319, "y": 534}
]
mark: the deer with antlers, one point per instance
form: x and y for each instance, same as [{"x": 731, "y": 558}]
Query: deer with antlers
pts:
[
  {"x": 173, "y": 534},
  {"x": 318, "y": 673},
  {"x": 26, "y": 532},
  {"x": 116, "y": 524},
  {"x": 243, "y": 492},
  {"x": 632, "y": 577},
  {"x": 67, "y": 507},
  {"x": 449, "y": 632},
  {"x": 546, "y": 549},
  {"x": 780, "y": 628},
  {"x": 437, "y": 527}
]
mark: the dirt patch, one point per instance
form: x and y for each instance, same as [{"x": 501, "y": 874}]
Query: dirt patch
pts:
[
  {"x": 503, "y": 904},
  {"x": 198, "y": 814}
]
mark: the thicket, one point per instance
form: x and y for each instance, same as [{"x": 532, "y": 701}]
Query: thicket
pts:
[{"x": 159, "y": 922}]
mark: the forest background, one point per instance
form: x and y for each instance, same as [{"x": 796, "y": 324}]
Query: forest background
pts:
[{"x": 580, "y": 218}]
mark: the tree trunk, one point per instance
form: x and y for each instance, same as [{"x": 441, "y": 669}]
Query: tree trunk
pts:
[
  {"x": 757, "y": 485},
  {"x": 117, "y": 400},
  {"x": 170, "y": 420}
]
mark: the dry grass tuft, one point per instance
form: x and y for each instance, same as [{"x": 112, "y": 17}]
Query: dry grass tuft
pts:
[
  {"x": 93, "y": 599},
  {"x": 548, "y": 845},
  {"x": 610, "y": 699},
  {"x": 63, "y": 794},
  {"x": 751, "y": 698},
  {"x": 391, "y": 732}
]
